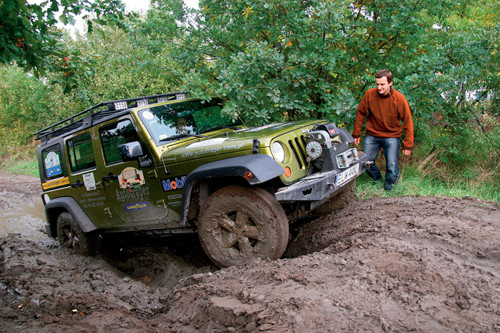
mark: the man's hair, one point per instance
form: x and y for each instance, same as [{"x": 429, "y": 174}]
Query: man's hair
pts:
[{"x": 385, "y": 72}]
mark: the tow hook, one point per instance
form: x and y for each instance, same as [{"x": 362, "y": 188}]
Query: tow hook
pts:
[{"x": 368, "y": 164}]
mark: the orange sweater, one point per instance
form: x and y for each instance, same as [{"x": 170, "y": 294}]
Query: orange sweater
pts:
[{"x": 385, "y": 114}]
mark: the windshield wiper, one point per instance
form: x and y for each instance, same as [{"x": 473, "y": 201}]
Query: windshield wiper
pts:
[
  {"x": 215, "y": 128},
  {"x": 179, "y": 136}
]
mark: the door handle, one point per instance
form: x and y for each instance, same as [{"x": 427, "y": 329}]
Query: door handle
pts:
[
  {"x": 77, "y": 184},
  {"x": 109, "y": 178}
]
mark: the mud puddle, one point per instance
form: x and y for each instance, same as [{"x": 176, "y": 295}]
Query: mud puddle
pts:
[{"x": 27, "y": 220}]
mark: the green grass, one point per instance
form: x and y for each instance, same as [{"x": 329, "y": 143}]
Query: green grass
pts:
[
  {"x": 22, "y": 167},
  {"x": 414, "y": 182}
]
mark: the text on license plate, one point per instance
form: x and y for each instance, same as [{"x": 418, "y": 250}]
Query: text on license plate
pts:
[{"x": 346, "y": 175}]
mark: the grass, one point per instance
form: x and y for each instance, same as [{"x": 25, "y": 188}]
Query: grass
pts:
[
  {"x": 414, "y": 182},
  {"x": 19, "y": 159},
  {"x": 21, "y": 167}
]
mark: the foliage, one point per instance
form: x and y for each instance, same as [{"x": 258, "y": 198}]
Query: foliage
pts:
[
  {"x": 275, "y": 60},
  {"x": 26, "y": 104},
  {"x": 272, "y": 59},
  {"x": 29, "y": 33},
  {"x": 110, "y": 63}
]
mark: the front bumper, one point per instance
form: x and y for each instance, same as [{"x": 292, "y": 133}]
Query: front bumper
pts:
[{"x": 318, "y": 187}]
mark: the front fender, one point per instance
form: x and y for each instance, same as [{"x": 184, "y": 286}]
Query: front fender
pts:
[
  {"x": 58, "y": 205},
  {"x": 262, "y": 167}
]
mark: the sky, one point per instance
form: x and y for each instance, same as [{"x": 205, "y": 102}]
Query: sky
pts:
[{"x": 142, "y": 5}]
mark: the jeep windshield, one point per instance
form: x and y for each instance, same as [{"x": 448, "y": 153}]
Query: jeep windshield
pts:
[{"x": 175, "y": 121}]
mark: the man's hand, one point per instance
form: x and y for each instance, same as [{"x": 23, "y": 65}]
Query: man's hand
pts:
[
  {"x": 357, "y": 141},
  {"x": 406, "y": 152}
]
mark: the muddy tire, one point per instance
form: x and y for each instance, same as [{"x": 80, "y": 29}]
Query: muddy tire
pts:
[
  {"x": 338, "y": 201},
  {"x": 237, "y": 224},
  {"x": 71, "y": 236}
]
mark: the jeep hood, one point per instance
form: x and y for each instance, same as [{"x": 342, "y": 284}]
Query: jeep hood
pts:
[{"x": 238, "y": 142}]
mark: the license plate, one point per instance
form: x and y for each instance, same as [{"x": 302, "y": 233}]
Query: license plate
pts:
[{"x": 346, "y": 175}]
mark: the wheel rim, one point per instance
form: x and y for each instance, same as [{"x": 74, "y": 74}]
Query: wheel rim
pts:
[
  {"x": 71, "y": 238},
  {"x": 237, "y": 232}
]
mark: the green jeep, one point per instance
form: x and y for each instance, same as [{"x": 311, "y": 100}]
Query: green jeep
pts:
[{"x": 167, "y": 164}]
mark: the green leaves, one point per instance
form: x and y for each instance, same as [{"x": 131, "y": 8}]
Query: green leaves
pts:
[
  {"x": 277, "y": 60},
  {"x": 28, "y": 32}
]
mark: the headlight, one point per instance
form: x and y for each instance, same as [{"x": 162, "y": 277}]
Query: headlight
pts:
[
  {"x": 314, "y": 150},
  {"x": 278, "y": 152}
]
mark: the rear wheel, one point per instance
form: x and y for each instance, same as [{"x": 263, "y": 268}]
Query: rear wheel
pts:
[
  {"x": 71, "y": 236},
  {"x": 237, "y": 224}
]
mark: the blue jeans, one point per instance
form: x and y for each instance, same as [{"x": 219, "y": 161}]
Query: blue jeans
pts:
[{"x": 372, "y": 146}]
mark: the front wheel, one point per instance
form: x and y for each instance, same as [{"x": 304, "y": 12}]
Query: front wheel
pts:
[
  {"x": 237, "y": 224},
  {"x": 71, "y": 236}
]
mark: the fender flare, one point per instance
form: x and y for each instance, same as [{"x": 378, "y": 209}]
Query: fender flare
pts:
[
  {"x": 57, "y": 205},
  {"x": 345, "y": 135},
  {"x": 263, "y": 168}
]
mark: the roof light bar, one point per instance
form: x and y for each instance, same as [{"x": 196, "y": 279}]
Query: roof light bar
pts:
[
  {"x": 121, "y": 105},
  {"x": 142, "y": 102},
  {"x": 76, "y": 121}
]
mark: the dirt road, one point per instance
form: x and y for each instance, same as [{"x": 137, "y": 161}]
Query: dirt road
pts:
[{"x": 380, "y": 265}]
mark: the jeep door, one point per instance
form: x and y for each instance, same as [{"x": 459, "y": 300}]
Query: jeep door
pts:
[{"x": 134, "y": 198}]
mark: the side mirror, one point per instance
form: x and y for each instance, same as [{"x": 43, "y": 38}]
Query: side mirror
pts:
[
  {"x": 133, "y": 150},
  {"x": 130, "y": 150}
]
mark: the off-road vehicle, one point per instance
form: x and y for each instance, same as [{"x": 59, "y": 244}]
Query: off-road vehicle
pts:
[{"x": 167, "y": 164}]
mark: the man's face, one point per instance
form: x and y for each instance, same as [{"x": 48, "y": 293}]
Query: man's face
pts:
[{"x": 383, "y": 86}]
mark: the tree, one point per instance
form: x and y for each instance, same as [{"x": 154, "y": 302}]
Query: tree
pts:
[
  {"x": 272, "y": 59},
  {"x": 29, "y": 33},
  {"x": 111, "y": 63}
]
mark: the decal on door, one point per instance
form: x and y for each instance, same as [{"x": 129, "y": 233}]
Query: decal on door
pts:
[{"x": 131, "y": 178}]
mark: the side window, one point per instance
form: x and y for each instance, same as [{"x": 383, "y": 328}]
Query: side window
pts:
[
  {"x": 81, "y": 154},
  {"x": 112, "y": 136},
  {"x": 52, "y": 162}
]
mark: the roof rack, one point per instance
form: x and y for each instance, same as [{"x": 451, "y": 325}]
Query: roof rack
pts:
[{"x": 101, "y": 110}]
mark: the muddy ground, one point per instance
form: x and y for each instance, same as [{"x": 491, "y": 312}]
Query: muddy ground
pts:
[{"x": 380, "y": 265}]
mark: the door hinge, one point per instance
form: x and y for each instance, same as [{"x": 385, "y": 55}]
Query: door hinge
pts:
[
  {"x": 107, "y": 211},
  {"x": 161, "y": 203}
]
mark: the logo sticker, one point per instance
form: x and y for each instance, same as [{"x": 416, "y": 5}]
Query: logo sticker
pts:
[
  {"x": 55, "y": 183},
  {"x": 52, "y": 164},
  {"x": 136, "y": 206},
  {"x": 175, "y": 184},
  {"x": 209, "y": 142},
  {"x": 131, "y": 178},
  {"x": 89, "y": 181},
  {"x": 148, "y": 115}
]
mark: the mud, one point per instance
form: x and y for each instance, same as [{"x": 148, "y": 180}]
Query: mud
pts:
[{"x": 380, "y": 265}]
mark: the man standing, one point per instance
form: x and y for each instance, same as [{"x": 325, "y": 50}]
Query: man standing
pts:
[{"x": 385, "y": 108}]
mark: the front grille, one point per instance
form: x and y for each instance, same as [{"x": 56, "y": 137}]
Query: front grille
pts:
[{"x": 298, "y": 147}]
